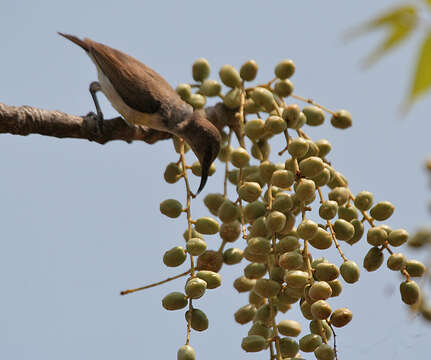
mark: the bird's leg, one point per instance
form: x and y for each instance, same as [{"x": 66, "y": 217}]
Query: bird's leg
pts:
[{"x": 94, "y": 88}]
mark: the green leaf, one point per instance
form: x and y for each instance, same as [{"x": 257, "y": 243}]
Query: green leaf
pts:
[
  {"x": 399, "y": 22},
  {"x": 422, "y": 78}
]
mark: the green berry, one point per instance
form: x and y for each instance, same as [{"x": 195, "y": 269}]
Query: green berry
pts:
[
  {"x": 298, "y": 147},
  {"x": 415, "y": 268},
  {"x": 324, "y": 352},
  {"x": 376, "y": 236},
  {"x": 263, "y": 97},
  {"x": 249, "y": 191},
  {"x": 198, "y": 321},
  {"x": 213, "y": 202},
  {"x": 207, "y": 226},
  {"x": 254, "y": 128},
  {"x": 232, "y": 256},
  {"x": 174, "y": 301},
  {"x": 350, "y": 272},
  {"x": 186, "y": 352},
  {"x": 282, "y": 178},
  {"x": 324, "y": 147},
  {"x": 172, "y": 173},
  {"x": 311, "y": 167},
  {"x": 175, "y": 256},
  {"x": 275, "y": 221},
  {"x": 398, "y": 237},
  {"x": 342, "y": 119},
  {"x": 210, "y": 88},
  {"x": 287, "y": 243},
  {"x": 185, "y": 91},
  {"x": 259, "y": 245},
  {"x": 410, "y": 292},
  {"x": 283, "y": 88},
  {"x": 347, "y": 213},
  {"x": 336, "y": 287},
  {"x": 198, "y": 101},
  {"x": 196, "y": 246},
  {"x": 307, "y": 229},
  {"x": 341, "y": 317},
  {"x": 195, "y": 288},
  {"x": 310, "y": 342},
  {"x": 364, "y": 200},
  {"x": 245, "y": 314},
  {"x": 232, "y": 99},
  {"x": 326, "y": 271},
  {"x": 259, "y": 328},
  {"x": 320, "y": 310},
  {"x": 305, "y": 191},
  {"x": 230, "y": 76},
  {"x": 340, "y": 195},
  {"x": 275, "y": 125},
  {"x": 239, "y": 157},
  {"x": 296, "y": 279},
  {"x": 283, "y": 202},
  {"x": 373, "y": 259},
  {"x": 171, "y": 208},
  {"x": 328, "y": 210},
  {"x": 267, "y": 288},
  {"x": 200, "y": 69},
  {"x": 230, "y": 231},
  {"x": 288, "y": 347},
  {"x": 255, "y": 270},
  {"x": 291, "y": 260},
  {"x": 248, "y": 70},
  {"x": 291, "y": 114},
  {"x": 210, "y": 260},
  {"x": 253, "y": 343},
  {"x": 228, "y": 211},
  {"x": 243, "y": 284},
  {"x": 289, "y": 328},
  {"x": 318, "y": 327},
  {"x": 321, "y": 240},
  {"x": 212, "y": 279},
  {"x": 382, "y": 210},
  {"x": 343, "y": 229},
  {"x": 254, "y": 210},
  {"x": 284, "y": 69},
  {"x": 320, "y": 290},
  {"x": 396, "y": 261},
  {"x": 315, "y": 116},
  {"x": 359, "y": 231}
]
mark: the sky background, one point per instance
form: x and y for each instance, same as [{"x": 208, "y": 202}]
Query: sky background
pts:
[{"x": 80, "y": 221}]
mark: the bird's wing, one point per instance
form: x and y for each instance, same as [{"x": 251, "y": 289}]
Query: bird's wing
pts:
[{"x": 139, "y": 86}]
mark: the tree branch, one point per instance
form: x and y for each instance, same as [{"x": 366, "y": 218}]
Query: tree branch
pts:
[{"x": 25, "y": 120}]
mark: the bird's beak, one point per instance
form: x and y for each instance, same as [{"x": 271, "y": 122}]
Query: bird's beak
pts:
[{"x": 204, "y": 139}]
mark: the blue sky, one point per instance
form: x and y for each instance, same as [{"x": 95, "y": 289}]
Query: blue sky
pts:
[{"x": 80, "y": 221}]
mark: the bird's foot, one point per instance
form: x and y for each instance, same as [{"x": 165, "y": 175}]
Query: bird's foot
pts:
[{"x": 95, "y": 125}]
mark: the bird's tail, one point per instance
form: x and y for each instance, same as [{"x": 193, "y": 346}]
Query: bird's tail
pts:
[{"x": 76, "y": 40}]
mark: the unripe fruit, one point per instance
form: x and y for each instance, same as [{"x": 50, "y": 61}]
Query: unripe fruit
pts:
[
  {"x": 320, "y": 310},
  {"x": 210, "y": 260},
  {"x": 342, "y": 119},
  {"x": 260, "y": 150},
  {"x": 341, "y": 317},
  {"x": 347, "y": 213},
  {"x": 291, "y": 260},
  {"x": 284, "y": 69},
  {"x": 343, "y": 229},
  {"x": 210, "y": 88},
  {"x": 174, "y": 257},
  {"x": 298, "y": 147},
  {"x": 328, "y": 210},
  {"x": 243, "y": 284},
  {"x": 319, "y": 326},
  {"x": 373, "y": 259},
  {"x": 326, "y": 271},
  {"x": 195, "y": 288},
  {"x": 275, "y": 221},
  {"x": 296, "y": 279},
  {"x": 320, "y": 290},
  {"x": 321, "y": 240},
  {"x": 410, "y": 292},
  {"x": 307, "y": 229},
  {"x": 265, "y": 314},
  {"x": 287, "y": 243},
  {"x": 340, "y": 195},
  {"x": 198, "y": 101},
  {"x": 350, "y": 272},
  {"x": 224, "y": 153},
  {"x": 186, "y": 352},
  {"x": 200, "y": 69},
  {"x": 288, "y": 347},
  {"x": 415, "y": 268},
  {"x": 301, "y": 121},
  {"x": 198, "y": 321},
  {"x": 275, "y": 125},
  {"x": 172, "y": 173},
  {"x": 255, "y": 270},
  {"x": 291, "y": 115},
  {"x": 283, "y": 88},
  {"x": 259, "y": 228},
  {"x": 232, "y": 99},
  {"x": 359, "y": 231},
  {"x": 228, "y": 211},
  {"x": 232, "y": 256},
  {"x": 398, "y": 237},
  {"x": 324, "y": 147},
  {"x": 255, "y": 299},
  {"x": 324, "y": 352},
  {"x": 382, "y": 210},
  {"x": 420, "y": 238},
  {"x": 305, "y": 191},
  {"x": 230, "y": 76},
  {"x": 282, "y": 178},
  {"x": 197, "y": 169},
  {"x": 213, "y": 202},
  {"x": 259, "y": 245},
  {"x": 239, "y": 157},
  {"x": 396, "y": 261},
  {"x": 174, "y": 301},
  {"x": 230, "y": 231},
  {"x": 249, "y": 191},
  {"x": 315, "y": 116},
  {"x": 253, "y": 343},
  {"x": 171, "y": 208},
  {"x": 184, "y": 90},
  {"x": 251, "y": 107},
  {"x": 289, "y": 328},
  {"x": 376, "y": 236},
  {"x": 248, "y": 70},
  {"x": 263, "y": 97},
  {"x": 194, "y": 234},
  {"x": 255, "y": 128},
  {"x": 311, "y": 167},
  {"x": 245, "y": 314},
  {"x": 212, "y": 279},
  {"x": 254, "y": 210},
  {"x": 267, "y": 288},
  {"x": 283, "y": 202},
  {"x": 276, "y": 273},
  {"x": 364, "y": 200},
  {"x": 196, "y": 246},
  {"x": 336, "y": 287},
  {"x": 259, "y": 328},
  {"x": 207, "y": 226},
  {"x": 310, "y": 342},
  {"x": 306, "y": 309}
]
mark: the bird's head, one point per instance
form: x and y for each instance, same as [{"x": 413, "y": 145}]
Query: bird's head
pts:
[{"x": 203, "y": 138}]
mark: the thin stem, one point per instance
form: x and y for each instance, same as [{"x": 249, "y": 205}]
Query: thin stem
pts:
[
  {"x": 226, "y": 168},
  {"x": 312, "y": 102},
  {"x": 125, "y": 292},
  {"x": 335, "y": 339}
]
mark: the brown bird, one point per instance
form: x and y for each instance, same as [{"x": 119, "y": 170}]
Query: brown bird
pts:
[{"x": 143, "y": 97}]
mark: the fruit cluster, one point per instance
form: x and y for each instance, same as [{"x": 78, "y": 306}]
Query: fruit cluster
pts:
[{"x": 281, "y": 247}]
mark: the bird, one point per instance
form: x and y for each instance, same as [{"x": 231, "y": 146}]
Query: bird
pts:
[{"x": 143, "y": 97}]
